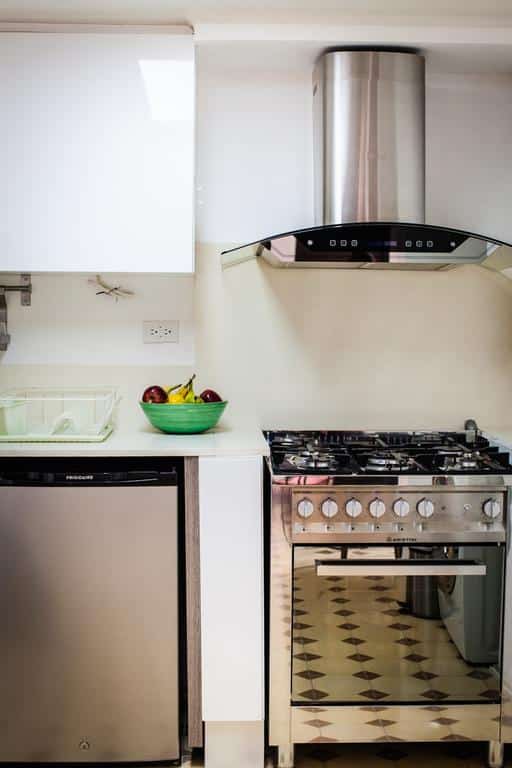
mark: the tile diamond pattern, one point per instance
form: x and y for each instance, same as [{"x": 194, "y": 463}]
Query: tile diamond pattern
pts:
[
  {"x": 445, "y": 721},
  {"x": 317, "y": 723},
  {"x": 416, "y": 658},
  {"x": 381, "y": 722},
  {"x": 366, "y": 675},
  {"x": 359, "y": 657},
  {"x": 412, "y": 659},
  {"x": 373, "y": 694},
  {"x": 310, "y": 674},
  {"x": 423, "y": 675},
  {"x": 314, "y": 694},
  {"x": 479, "y": 674},
  {"x": 435, "y": 695}
]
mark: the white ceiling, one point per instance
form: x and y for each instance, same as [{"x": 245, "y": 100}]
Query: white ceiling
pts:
[{"x": 222, "y": 11}]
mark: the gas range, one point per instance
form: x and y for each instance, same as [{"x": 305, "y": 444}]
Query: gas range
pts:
[{"x": 387, "y": 554}]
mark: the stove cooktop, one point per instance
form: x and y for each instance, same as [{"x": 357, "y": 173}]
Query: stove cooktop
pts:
[{"x": 363, "y": 454}]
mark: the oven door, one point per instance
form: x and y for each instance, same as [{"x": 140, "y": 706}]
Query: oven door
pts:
[{"x": 384, "y": 625}]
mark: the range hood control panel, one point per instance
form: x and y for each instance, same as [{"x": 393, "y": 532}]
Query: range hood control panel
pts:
[{"x": 375, "y": 239}]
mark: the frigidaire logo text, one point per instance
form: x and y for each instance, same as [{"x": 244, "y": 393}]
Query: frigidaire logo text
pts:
[{"x": 79, "y": 477}]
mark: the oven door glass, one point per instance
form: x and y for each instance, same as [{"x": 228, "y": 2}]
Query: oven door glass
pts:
[{"x": 414, "y": 625}]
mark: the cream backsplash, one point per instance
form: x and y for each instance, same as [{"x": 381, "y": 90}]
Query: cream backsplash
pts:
[{"x": 353, "y": 349}]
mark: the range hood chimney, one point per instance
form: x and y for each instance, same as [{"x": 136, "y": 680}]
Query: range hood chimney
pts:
[
  {"x": 369, "y": 164},
  {"x": 369, "y": 134}
]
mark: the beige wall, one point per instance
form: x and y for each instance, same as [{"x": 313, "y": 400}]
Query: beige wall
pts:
[{"x": 329, "y": 348}]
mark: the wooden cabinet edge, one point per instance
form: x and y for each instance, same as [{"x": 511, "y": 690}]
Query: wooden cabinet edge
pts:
[{"x": 193, "y": 602}]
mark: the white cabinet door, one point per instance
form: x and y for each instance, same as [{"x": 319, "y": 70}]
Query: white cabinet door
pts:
[
  {"x": 232, "y": 588},
  {"x": 96, "y": 151}
]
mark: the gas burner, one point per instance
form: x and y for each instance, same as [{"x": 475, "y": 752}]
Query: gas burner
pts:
[
  {"x": 311, "y": 459},
  {"x": 429, "y": 440},
  {"x": 363, "y": 440},
  {"x": 287, "y": 440},
  {"x": 465, "y": 461},
  {"x": 389, "y": 462}
]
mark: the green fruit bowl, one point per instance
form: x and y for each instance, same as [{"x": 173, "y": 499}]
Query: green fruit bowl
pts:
[{"x": 183, "y": 419}]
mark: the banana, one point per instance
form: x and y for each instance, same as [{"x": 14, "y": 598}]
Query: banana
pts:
[{"x": 185, "y": 393}]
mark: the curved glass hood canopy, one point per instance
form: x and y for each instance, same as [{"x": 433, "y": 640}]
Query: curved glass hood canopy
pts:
[
  {"x": 380, "y": 245},
  {"x": 369, "y": 175}
]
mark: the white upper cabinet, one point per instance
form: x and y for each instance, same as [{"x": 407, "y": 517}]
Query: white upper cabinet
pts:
[{"x": 97, "y": 151}]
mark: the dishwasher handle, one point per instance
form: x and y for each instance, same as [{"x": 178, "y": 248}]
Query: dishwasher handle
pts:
[{"x": 400, "y": 568}]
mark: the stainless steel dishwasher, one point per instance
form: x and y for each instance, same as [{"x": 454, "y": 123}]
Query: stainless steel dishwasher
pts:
[{"x": 89, "y": 634}]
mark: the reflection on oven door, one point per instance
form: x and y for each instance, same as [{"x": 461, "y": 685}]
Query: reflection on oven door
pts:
[
  {"x": 357, "y": 638},
  {"x": 470, "y": 608}
]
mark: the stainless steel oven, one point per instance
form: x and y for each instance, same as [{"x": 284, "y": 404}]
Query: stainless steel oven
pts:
[{"x": 388, "y": 589}]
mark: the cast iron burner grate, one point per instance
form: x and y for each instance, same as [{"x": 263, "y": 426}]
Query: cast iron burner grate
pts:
[{"x": 358, "y": 453}]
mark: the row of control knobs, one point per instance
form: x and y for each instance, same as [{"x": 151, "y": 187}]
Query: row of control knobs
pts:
[{"x": 377, "y": 508}]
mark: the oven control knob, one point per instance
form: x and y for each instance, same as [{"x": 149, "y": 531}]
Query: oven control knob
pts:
[
  {"x": 305, "y": 508},
  {"x": 377, "y": 508},
  {"x": 401, "y": 508},
  {"x": 329, "y": 508},
  {"x": 425, "y": 508},
  {"x": 492, "y": 509},
  {"x": 353, "y": 508}
]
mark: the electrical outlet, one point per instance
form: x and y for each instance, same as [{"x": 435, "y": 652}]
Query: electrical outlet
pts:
[{"x": 161, "y": 331}]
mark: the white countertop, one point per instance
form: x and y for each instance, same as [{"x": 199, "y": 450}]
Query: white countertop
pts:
[{"x": 147, "y": 442}]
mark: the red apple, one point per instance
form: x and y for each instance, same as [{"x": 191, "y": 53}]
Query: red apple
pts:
[
  {"x": 154, "y": 394},
  {"x": 210, "y": 396}
]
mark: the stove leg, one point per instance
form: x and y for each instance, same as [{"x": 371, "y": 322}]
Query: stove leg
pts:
[
  {"x": 496, "y": 754},
  {"x": 285, "y": 756}
]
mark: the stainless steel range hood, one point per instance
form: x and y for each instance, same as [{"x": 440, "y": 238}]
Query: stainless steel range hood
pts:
[{"x": 369, "y": 142}]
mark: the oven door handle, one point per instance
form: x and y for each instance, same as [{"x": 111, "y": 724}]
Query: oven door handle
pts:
[{"x": 400, "y": 568}]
